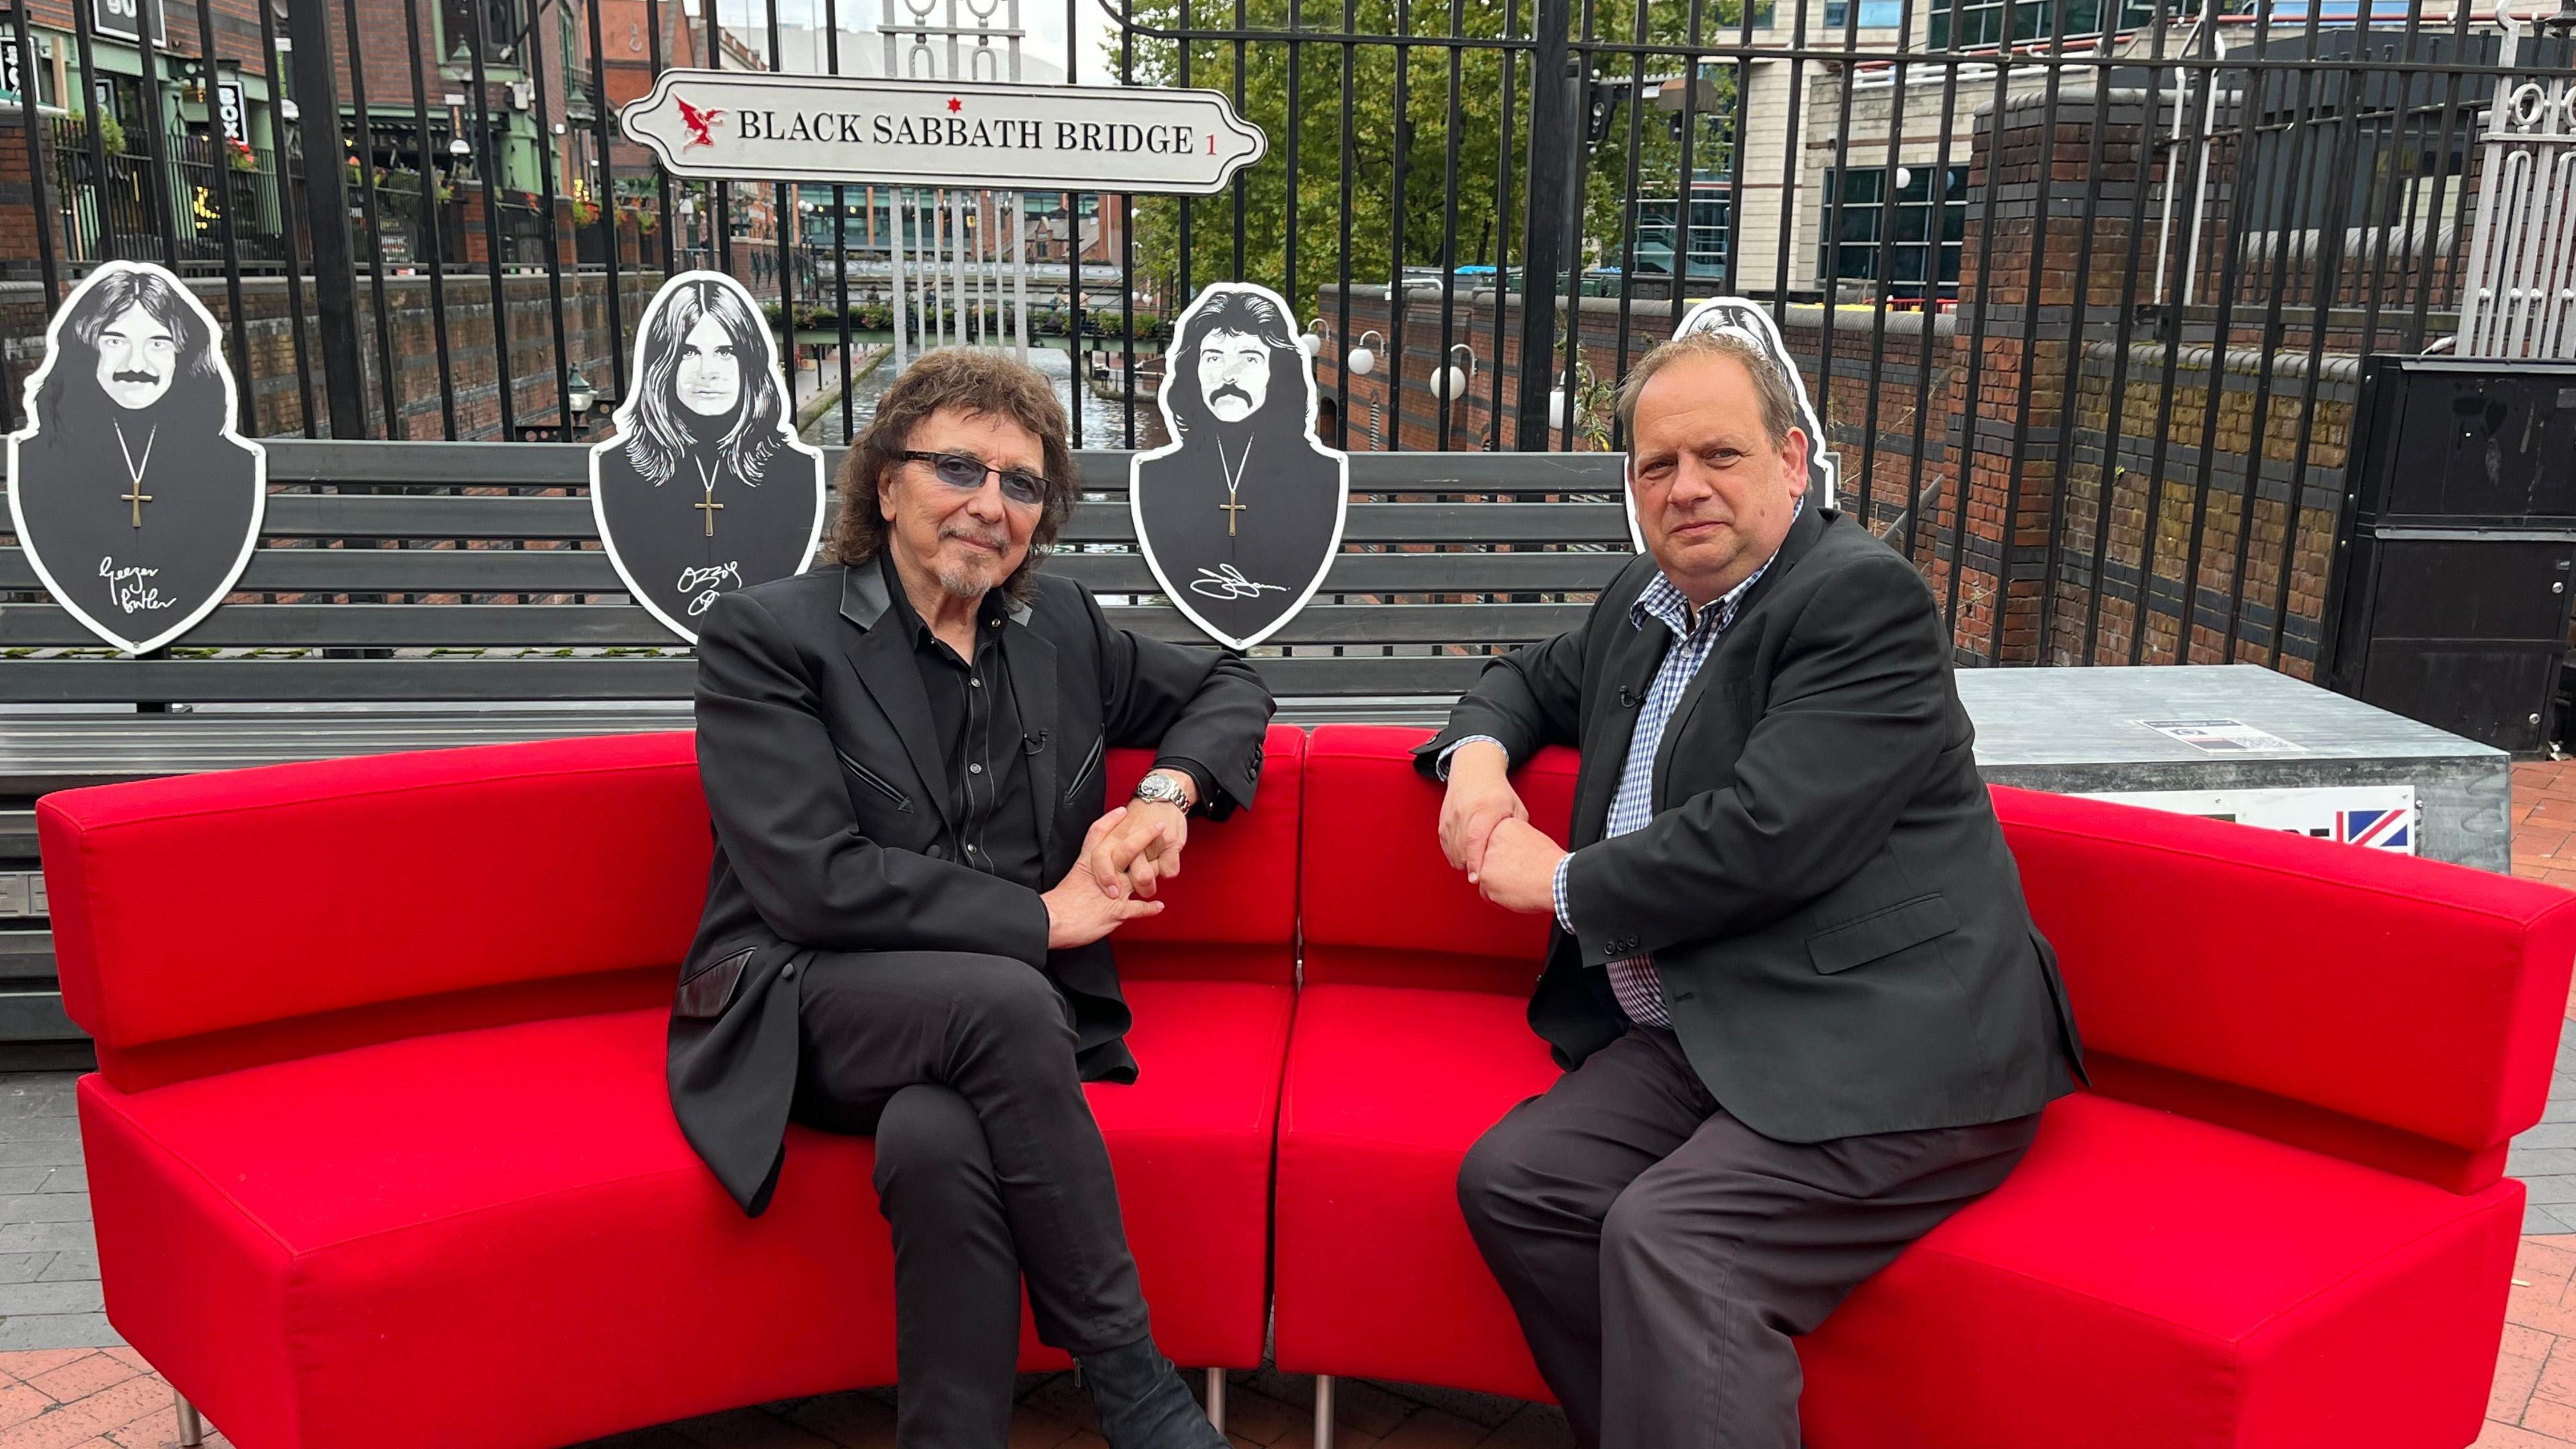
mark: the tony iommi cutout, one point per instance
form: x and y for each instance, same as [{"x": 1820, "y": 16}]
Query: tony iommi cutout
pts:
[{"x": 1241, "y": 514}]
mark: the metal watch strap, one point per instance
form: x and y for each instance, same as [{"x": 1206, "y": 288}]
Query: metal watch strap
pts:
[{"x": 1160, "y": 786}]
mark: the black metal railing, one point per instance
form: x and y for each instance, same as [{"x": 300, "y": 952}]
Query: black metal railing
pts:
[{"x": 2080, "y": 312}]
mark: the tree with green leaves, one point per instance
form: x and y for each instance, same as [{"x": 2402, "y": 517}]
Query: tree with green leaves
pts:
[{"x": 1427, "y": 84}]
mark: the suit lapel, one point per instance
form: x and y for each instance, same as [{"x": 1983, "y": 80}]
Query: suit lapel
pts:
[
  {"x": 886, "y": 669},
  {"x": 1030, "y": 659},
  {"x": 1802, "y": 537}
]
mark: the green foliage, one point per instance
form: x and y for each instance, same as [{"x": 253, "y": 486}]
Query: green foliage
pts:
[{"x": 1422, "y": 131}]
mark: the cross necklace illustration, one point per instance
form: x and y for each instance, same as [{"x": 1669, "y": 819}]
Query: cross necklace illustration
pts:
[
  {"x": 1233, "y": 481},
  {"x": 711, "y": 507},
  {"x": 134, "y": 470}
]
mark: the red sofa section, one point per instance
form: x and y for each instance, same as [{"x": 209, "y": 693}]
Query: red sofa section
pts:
[
  {"x": 380, "y": 1112},
  {"x": 380, "y": 1109},
  {"x": 2279, "y": 1219}
]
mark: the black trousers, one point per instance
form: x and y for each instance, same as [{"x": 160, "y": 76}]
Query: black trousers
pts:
[
  {"x": 1661, "y": 1255},
  {"x": 989, "y": 1168}
]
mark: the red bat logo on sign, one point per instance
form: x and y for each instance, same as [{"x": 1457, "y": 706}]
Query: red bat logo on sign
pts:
[{"x": 697, "y": 121}]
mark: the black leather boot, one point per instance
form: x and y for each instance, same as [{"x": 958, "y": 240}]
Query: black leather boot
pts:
[{"x": 1142, "y": 1402}]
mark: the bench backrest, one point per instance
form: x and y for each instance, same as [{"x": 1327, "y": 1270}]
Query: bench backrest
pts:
[
  {"x": 2390, "y": 1010},
  {"x": 208, "y": 922},
  {"x": 375, "y": 554}
]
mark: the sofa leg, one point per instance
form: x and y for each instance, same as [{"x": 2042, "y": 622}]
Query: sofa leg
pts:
[
  {"x": 1216, "y": 1398},
  {"x": 1323, "y": 1411},
  {"x": 192, "y": 1430}
]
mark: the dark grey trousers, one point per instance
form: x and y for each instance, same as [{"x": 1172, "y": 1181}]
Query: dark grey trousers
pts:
[
  {"x": 989, "y": 1169},
  {"x": 1661, "y": 1255}
]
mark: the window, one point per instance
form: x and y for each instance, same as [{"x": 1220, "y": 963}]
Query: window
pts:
[
  {"x": 503, "y": 29},
  {"x": 1874, "y": 14},
  {"x": 16, "y": 71},
  {"x": 1981, "y": 22},
  {"x": 1706, "y": 244},
  {"x": 1922, "y": 254}
]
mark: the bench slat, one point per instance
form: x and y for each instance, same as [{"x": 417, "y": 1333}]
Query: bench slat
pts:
[{"x": 430, "y": 626}]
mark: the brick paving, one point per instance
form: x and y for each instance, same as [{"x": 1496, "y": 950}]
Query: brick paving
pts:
[{"x": 67, "y": 1381}]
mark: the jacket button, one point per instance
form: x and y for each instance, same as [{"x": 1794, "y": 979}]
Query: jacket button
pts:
[
  {"x": 937, "y": 851},
  {"x": 787, "y": 972}
]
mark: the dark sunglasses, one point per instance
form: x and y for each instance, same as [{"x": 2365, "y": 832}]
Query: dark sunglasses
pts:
[{"x": 966, "y": 474}]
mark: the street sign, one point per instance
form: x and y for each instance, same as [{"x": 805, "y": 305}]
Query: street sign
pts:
[
  {"x": 229, "y": 110},
  {"x": 759, "y": 125},
  {"x": 124, "y": 19}
]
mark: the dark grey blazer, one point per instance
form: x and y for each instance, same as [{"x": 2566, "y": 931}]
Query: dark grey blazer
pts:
[
  {"x": 830, "y": 804},
  {"x": 1839, "y": 926}
]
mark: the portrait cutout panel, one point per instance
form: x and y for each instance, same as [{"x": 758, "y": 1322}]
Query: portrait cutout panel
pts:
[
  {"x": 135, "y": 500},
  {"x": 1241, "y": 514},
  {"x": 1751, "y": 321},
  {"x": 704, "y": 487}
]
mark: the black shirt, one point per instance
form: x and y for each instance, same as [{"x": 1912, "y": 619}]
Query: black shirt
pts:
[{"x": 977, "y": 717}]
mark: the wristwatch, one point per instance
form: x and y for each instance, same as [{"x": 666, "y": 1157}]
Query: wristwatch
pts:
[{"x": 1160, "y": 787}]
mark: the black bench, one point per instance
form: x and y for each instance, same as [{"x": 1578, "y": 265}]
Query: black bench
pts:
[{"x": 415, "y": 595}]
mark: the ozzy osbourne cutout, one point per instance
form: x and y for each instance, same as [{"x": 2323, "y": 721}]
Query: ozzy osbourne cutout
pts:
[
  {"x": 704, "y": 487},
  {"x": 1241, "y": 514},
  {"x": 136, "y": 502},
  {"x": 1752, "y": 322}
]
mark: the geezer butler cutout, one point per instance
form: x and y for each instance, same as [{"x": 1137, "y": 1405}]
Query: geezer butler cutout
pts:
[
  {"x": 137, "y": 504},
  {"x": 704, "y": 488},
  {"x": 1241, "y": 514}
]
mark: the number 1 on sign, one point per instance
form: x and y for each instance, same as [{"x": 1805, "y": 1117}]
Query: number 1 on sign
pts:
[{"x": 1211, "y": 143}]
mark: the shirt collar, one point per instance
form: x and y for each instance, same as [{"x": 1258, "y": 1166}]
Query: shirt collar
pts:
[
  {"x": 1664, "y": 602},
  {"x": 909, "y": 619}
]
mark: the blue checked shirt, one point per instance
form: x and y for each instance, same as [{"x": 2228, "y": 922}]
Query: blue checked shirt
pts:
[{"x": 1633, "y": 979}]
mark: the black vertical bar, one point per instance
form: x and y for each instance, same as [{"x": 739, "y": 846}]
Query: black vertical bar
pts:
[
  {"x": 2030, "y": 335},
  {"x": 533, "y": 46},
  {"x": 1073, "y": 260},
  {"x": 2193, "y": 103},
  {"x": 723, "y": 216},
  {"x": 1936, "y": 233},
  {"x": 1296, "y": 129},
  {"x": 2432, "y": 211},
  {"x": 1578, "y": 138},
  {"x": 431, "y": 240},
  {"x": 2402, "y": 86},
  {"x": 1543, "y": 231},
  {"x": 44, "y": 213},
  {"x": 1743, "y": 74},
  {"x": 2222, "y": 330},
  {"x": 841, "y": 229},
  {"x": 1935, "y": 193},
  {"x": 1242, "y": 174},
  {"x": 791, "y": 233},
  {"x": 2079, "y": 320},
  {"x": 1628, "y": 204},
  {"x": 1396, "y": 227},
  {"x": 1977, "y": 335},
  {"x": 608, "y": 213},
  {"x": 1793, "y": 151},
  {"x": 1510, "y": 59},
  {"x": 393, "y": 426},
  {"x": 165, "y": 164},
  {"x": 1342, "y": 257},
  {"x": 2116, "y": 395},
  {"x": 667, "y": 221},
  {"x": 1127, "y": 235},
  {"x": 284, "y": 180},
  {"x": 335, "y": 289},
  {"x": 504, "y": 376},
  {"x": 1831, "y": 280},
  {"x": 1449, "y": 228},
  {"x": 218, "y": 181},
  {"x": 103, "y": 246},
  {"x": 1187, "y": 247}
]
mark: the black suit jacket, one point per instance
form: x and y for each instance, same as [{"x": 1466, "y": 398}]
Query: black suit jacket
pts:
[
  {"x": 829, "y": 799},
  {"x": 1839, "y": 926}
]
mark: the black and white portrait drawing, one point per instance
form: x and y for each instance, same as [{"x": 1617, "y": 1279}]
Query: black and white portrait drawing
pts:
[
  {"x": 1751, "y": 321},
  {"x": 704, "y": 488},
  {"x": 132, "y": 495},
  {"x": 1241, "y": 514}
]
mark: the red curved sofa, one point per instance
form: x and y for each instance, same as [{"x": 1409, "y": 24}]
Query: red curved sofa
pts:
[
  {"x": 2279, "y": 1219},
  {"x": 380, "y": 1113}
]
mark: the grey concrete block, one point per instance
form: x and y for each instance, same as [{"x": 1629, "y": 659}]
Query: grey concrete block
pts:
[
  {"x": 45, "y": 1207},
  {"x": 14, "y": 1180},
  {"x": 72, "y": 1177},
  {"x": 71, "y": 1267},
  {"x": 48, "y": 1237},
  {"x": 2546, "y": 1191},
  {"x": 2540, "y": 1220},
  {"x": 26, "y": 1267},
  {"x": 58, "y": 1330},
  {"x": 73, "y": 1297},
  {"x": 41, "y": 1152},
  {"x": 2527, "y": 1162},
  {"x": 2548, "y": 1135}
]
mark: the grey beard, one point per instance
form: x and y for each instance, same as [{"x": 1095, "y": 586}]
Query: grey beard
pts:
[{"x": 962, "y": 582}]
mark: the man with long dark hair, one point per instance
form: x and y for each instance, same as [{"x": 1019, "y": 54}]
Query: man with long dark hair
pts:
[
  {"x": 703, "y": 489},
  {"x": 129, "y": 495},
  {"x": 1241, "y": 513},
  {"x": 906, "y": 932}
]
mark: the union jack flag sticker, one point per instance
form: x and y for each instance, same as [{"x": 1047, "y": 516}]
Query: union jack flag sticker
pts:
[{"x": 2385, "y": 829}]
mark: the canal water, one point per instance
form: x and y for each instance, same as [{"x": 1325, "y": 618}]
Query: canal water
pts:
[{"x": 1104, "y": 420}]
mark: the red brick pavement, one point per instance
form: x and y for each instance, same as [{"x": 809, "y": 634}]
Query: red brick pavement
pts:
[{"x": 107, "y": 1399}]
